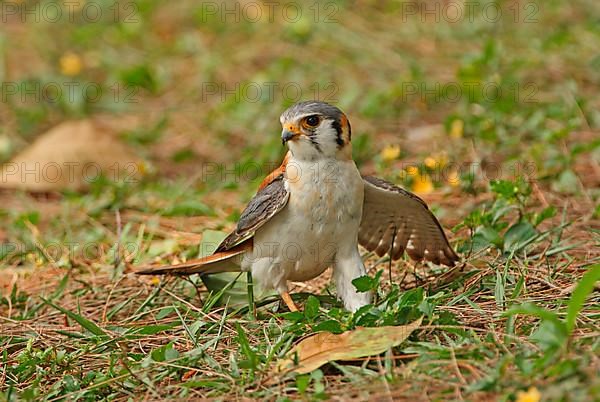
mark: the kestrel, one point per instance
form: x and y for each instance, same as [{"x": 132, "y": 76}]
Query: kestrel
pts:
[{"x": 313, "y": 212}]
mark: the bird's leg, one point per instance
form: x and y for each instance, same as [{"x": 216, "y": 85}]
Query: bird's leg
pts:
[
  {"x": 287, "y": 299},
  {"x": 348, "y": 266}
]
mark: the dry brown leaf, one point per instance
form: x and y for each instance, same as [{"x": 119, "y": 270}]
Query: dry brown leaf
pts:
[
  {"x": 316, "y": 350},
  {"x": 69, "y": 156}
]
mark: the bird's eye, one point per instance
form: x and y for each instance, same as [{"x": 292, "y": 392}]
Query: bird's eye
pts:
[{"x": 312, "y": 121}]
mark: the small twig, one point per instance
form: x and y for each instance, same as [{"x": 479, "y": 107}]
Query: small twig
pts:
[
  {"x": 539, "y": 194},
  {"x": 251, "y": 303},
  {"x": 196, "y": 287},
  {"x": 382, "y": 373},
  {"x": 190, "y": 305},
  {"x": 390, "y": 254},
  {"x": 117, "y": 260},
  {"x": 109, "y": 296},
  {"x": 457, "y": 369}
]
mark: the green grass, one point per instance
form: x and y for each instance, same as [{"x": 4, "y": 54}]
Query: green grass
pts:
[{"x": 523, "y": 203}]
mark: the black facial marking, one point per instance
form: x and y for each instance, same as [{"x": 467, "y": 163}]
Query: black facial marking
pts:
[
  {"x": 338, "y": 130},
  {"x": 321, "y": 111}
]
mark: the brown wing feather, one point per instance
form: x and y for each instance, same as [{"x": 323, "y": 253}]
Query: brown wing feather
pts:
[
  {"x": 395, "y": 220},
  {"x": 224, "y": 261},
  {"x": 266, "y": 203},
  {"x": 271, "y": 198}
]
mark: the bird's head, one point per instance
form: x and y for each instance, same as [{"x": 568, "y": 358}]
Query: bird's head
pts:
[{"x": 314, "y": 130}]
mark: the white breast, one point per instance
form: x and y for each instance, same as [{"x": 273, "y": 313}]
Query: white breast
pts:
[{"x": 323, "y": 211}]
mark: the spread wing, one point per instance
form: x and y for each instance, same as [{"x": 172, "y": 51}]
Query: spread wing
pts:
[
  {"x": 270, "y": 199},
  {"x": 395, "y": 220}
]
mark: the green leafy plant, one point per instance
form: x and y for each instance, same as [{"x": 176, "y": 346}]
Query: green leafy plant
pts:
[{"x": 491, "y": 225}]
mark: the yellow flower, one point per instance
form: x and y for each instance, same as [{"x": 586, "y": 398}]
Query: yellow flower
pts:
[
  {"x": 422, "y": 184},
  {"x": 143, "y": 168},
  {"x": 430, "y": 162},
  {"x": 531, "y": 395},
  {"x": 435, "y": 161},
  {"x": 412, "y": 170},
  {"x": 70, "y": 64},
  {"x": 390, "y": 152},
  {"x": 456, "y": 128},
  {"x": 155, "y": 280}
]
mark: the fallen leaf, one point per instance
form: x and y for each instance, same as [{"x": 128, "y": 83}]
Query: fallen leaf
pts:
[
  {"x": 69, "y": 156},
  {"x": 318, "y": 349}
]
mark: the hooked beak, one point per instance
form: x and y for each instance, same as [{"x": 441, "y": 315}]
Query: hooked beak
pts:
[
  {"x": 286, "y": 136},
  {"x": 289, "y": 134}
]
